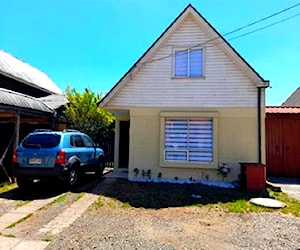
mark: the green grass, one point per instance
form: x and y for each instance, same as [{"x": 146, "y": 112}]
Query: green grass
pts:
[
  {"x": 19, "y": 221},
  {"x": 23, "y": 203},
  {"x": 47, "y": 239},
  {"x": 61, "y": 199},
  {"x": 9, "y": 235},
  {"x": 125, "y": 194},
  {"x": 7, "y": 186},
  {"x": 80, "y": 195},
  {"x": 244, "y": 206}
]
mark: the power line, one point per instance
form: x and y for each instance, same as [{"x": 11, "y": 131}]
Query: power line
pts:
[
  {"x": 264, "y": 27},
  {"x": 262, "y": 19},
  {"x": 238, "y": 29}
]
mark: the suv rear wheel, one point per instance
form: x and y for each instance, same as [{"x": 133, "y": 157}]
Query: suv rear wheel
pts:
[{"x": 24, "y": 183}]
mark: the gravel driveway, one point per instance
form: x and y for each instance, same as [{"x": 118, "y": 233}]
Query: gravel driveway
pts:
[
  {"x": 179, "y": 228},
  {"x": 111, "y": 224}
]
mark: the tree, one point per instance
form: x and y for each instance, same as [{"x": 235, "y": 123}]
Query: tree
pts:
[{"x": 84, "y": 114}]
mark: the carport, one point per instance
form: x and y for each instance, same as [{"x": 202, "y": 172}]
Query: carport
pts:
[{"x": 19, "y": 115}]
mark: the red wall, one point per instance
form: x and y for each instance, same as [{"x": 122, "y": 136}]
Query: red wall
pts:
[{"x": 283, "y": 145}]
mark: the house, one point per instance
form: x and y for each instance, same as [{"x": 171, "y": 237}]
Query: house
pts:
[
  {"x": 190, "y": 105},
  {"x": 24, "y": 103},
  {"x": 282, "y": 138},
  {"x": 294, "y": 99}
]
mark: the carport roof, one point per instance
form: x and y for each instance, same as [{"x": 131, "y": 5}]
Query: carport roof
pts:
[
  {"x": 14, "y": 68},
  {"x": 11, "y": 98}
]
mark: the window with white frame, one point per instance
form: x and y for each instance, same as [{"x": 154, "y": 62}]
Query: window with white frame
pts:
[
  {"x": 188, "y": 140},
  {"x": 188, "y": 63}
]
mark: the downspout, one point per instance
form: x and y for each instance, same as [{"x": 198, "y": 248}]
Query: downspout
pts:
[
  {"x": 259, "y": 122},
  {"x": 266, "y": 85}
]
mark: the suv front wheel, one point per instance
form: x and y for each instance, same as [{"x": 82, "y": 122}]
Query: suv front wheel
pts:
[
  {"x": 73, "y": 178},
  {"x": 100, "y": 167}
]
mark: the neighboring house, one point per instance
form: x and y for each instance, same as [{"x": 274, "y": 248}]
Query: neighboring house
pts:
[
  {"x": 293, "y": 100},
  {"x": 189, "y": 105},
  {"x": 22, "y": 108}
]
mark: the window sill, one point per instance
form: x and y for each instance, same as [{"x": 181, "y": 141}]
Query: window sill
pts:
[
  {"x": 185, "y": 165},
  {"x": 187, "y": 77}
]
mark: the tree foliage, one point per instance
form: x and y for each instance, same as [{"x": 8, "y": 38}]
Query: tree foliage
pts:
[{"x": 83, "y": 113}]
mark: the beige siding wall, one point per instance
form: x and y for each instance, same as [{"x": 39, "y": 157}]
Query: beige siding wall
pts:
[
  {"x": 237, "y": 142},
  {"x": 225, "y": 84}
]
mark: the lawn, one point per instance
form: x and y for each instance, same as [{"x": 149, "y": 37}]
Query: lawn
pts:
[{"x": 163, "y": 195}]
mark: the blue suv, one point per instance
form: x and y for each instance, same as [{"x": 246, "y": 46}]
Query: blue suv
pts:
[{"x": 65, "y": 155}]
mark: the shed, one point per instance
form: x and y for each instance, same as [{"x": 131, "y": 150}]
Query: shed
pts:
[{"x": 283, "y": 141}]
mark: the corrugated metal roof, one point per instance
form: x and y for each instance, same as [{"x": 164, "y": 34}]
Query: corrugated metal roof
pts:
[
  {"x": 283, "y": 110},
  {"x": 54, "y": 101},
  {"x": 21, "y": 71},
  {"x": 16, "y": 99}
]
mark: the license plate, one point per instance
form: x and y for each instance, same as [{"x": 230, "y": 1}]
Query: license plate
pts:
[{"x": 35, "y": 161}]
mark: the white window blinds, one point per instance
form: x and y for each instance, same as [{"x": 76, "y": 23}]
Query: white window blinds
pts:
[
  {"x": 189, "y": 140},
  {"x": 188, "y": 63}
]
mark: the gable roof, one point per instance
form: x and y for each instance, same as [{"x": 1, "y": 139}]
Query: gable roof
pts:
[
  {"x": 294, "y": 99},
  {"x": 14, "y": 68},
  {"x": 188, "y": 10}
]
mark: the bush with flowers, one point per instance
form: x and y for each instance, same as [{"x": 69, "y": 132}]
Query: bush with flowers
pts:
[{"x": 224, "y": 170}]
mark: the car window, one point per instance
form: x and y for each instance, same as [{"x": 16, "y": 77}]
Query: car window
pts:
[
  {"x": 88, "y": 141},
  {"x": 41, "y": 141},
  {"x": 76, "y": 141}
]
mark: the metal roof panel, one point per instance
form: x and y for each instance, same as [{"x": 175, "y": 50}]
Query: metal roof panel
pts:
[
  {"x": 21, "y": 71},
  {"x": 16, "y": 99}
]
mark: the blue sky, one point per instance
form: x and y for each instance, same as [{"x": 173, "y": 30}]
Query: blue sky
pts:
[{"x": 92, "y": 43}]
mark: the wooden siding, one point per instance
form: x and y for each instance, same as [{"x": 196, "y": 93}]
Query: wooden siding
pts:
[{"x": 152, "y": 85}]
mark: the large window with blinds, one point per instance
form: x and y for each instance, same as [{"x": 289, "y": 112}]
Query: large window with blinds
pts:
[
  {"x": 188, "y": 140},
  {"x": 188, "y": 63}
]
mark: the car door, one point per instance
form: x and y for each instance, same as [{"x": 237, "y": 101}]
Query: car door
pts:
[{"x": 90, "y": 151}]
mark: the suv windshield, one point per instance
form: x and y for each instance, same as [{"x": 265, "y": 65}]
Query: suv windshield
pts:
[{"x": 41, "y": 141}]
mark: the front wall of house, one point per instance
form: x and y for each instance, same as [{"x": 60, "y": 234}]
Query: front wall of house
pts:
[
  {"x": 227, "y": 92},
  {"x": 236, "y": 142},
  {"x": 224, "y": 83}
]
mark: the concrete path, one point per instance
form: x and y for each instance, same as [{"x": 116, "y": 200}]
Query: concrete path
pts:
[
  {"x": 291, "y": 186},
  {"x": 63, "y": 220}
]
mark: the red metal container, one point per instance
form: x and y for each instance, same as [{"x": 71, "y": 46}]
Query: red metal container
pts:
[{"x": 254, "y": 176}]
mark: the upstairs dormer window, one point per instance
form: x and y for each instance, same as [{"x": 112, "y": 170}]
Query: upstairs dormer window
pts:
[{"x": 188, "y": 63}]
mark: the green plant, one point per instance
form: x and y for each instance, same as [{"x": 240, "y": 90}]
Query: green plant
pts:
[
  {"x": 159, "y": 175},
  {"x": 224, "y": 170},
  {"x": 136, "y": 172},
  {"x": 149, "y": 174},
  {"x": 6, "y": 186},
  {"x": 144, "y": 173}
]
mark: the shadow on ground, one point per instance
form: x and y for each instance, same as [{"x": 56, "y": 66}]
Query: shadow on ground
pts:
[
  {"x": 163, "y": 195},
  {"x": 49, "y": 188}
]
